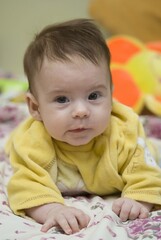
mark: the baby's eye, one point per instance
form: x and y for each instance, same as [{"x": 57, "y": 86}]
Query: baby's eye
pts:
[
  {"x": 62, "y": 99},
  {"x": 94, "y": 95}
]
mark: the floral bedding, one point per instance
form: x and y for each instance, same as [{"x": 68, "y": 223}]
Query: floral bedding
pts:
[{"x": 104, "y": 224}]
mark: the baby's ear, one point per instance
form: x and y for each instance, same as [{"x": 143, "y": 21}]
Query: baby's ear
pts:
[{"x": 33, "y": 106}]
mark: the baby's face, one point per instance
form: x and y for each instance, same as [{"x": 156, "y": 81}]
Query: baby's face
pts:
[{"x": 74, "y": 99}]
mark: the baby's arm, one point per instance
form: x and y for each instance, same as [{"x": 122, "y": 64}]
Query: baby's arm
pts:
[
  {"x": 70, "y": 219},
  {"x": 127, "y": 208}
]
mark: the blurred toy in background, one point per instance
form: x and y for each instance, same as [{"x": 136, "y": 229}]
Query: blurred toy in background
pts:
[
  {"x": 12, "y": 89},
  {"x": 139, "y": 19},
  {"x": 136, "y": 72}
]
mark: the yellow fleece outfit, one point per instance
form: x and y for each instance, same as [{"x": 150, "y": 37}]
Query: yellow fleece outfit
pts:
[{"x": 116, "y": 161}]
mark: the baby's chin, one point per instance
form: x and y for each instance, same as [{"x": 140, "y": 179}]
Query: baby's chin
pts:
[
  {"x": 80, "y": 142},
  {"x": 77, "y": 144}
]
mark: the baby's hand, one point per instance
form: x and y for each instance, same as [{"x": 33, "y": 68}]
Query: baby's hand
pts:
[
  {"x": 70, "y": 219},
  {"x": 127, "y": 208}
]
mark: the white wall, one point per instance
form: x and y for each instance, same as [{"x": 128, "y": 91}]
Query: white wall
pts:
[{"x": 21, "y": 19}]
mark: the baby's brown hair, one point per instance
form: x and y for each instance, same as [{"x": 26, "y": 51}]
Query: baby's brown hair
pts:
[{"x": 59, "y": 42}]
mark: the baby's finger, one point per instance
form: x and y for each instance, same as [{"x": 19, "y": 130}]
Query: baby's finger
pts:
[
  {"x": 83, "y": 219},
  {"x": 144, "y": 213},
  {"x": 68, "y": 225},
  {"x": 125, "y": 212},
  {"x": 135, "y": 212},
  {"x": 116, "y": 207},
  {"x": 47, "y": 225},
  {"x": 73, "y": 223}
]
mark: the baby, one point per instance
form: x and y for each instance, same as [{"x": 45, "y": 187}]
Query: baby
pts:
[{"x": 77, "y": 140}]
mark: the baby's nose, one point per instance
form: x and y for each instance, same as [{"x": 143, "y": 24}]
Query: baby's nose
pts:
[{"x": 80, "y": 111}]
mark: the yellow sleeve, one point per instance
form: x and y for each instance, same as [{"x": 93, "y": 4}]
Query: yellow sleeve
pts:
[
  {"x": 31, "y": 154},
  {"x": 141, "y": 174}
]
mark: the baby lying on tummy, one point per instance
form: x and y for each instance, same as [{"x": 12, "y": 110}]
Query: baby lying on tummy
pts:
[{"x": 77, "y": 139}]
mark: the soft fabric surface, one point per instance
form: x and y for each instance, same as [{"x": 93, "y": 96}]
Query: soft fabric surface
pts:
[{"x": 104, "y": 224}]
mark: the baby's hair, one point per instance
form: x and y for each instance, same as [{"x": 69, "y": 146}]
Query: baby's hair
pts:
[{"x": 59, "y": 42}]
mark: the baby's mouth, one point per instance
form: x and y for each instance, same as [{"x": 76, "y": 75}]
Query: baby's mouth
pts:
[{"x": 77, "y": 130}]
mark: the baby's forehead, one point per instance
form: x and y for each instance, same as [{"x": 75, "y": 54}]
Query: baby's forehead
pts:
[
  {"x": 68, "y": 72},
  {"x": 62, "y": 76},
  {"x": 71, "y": 65},
  {"x": 72, "y": 60}
]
